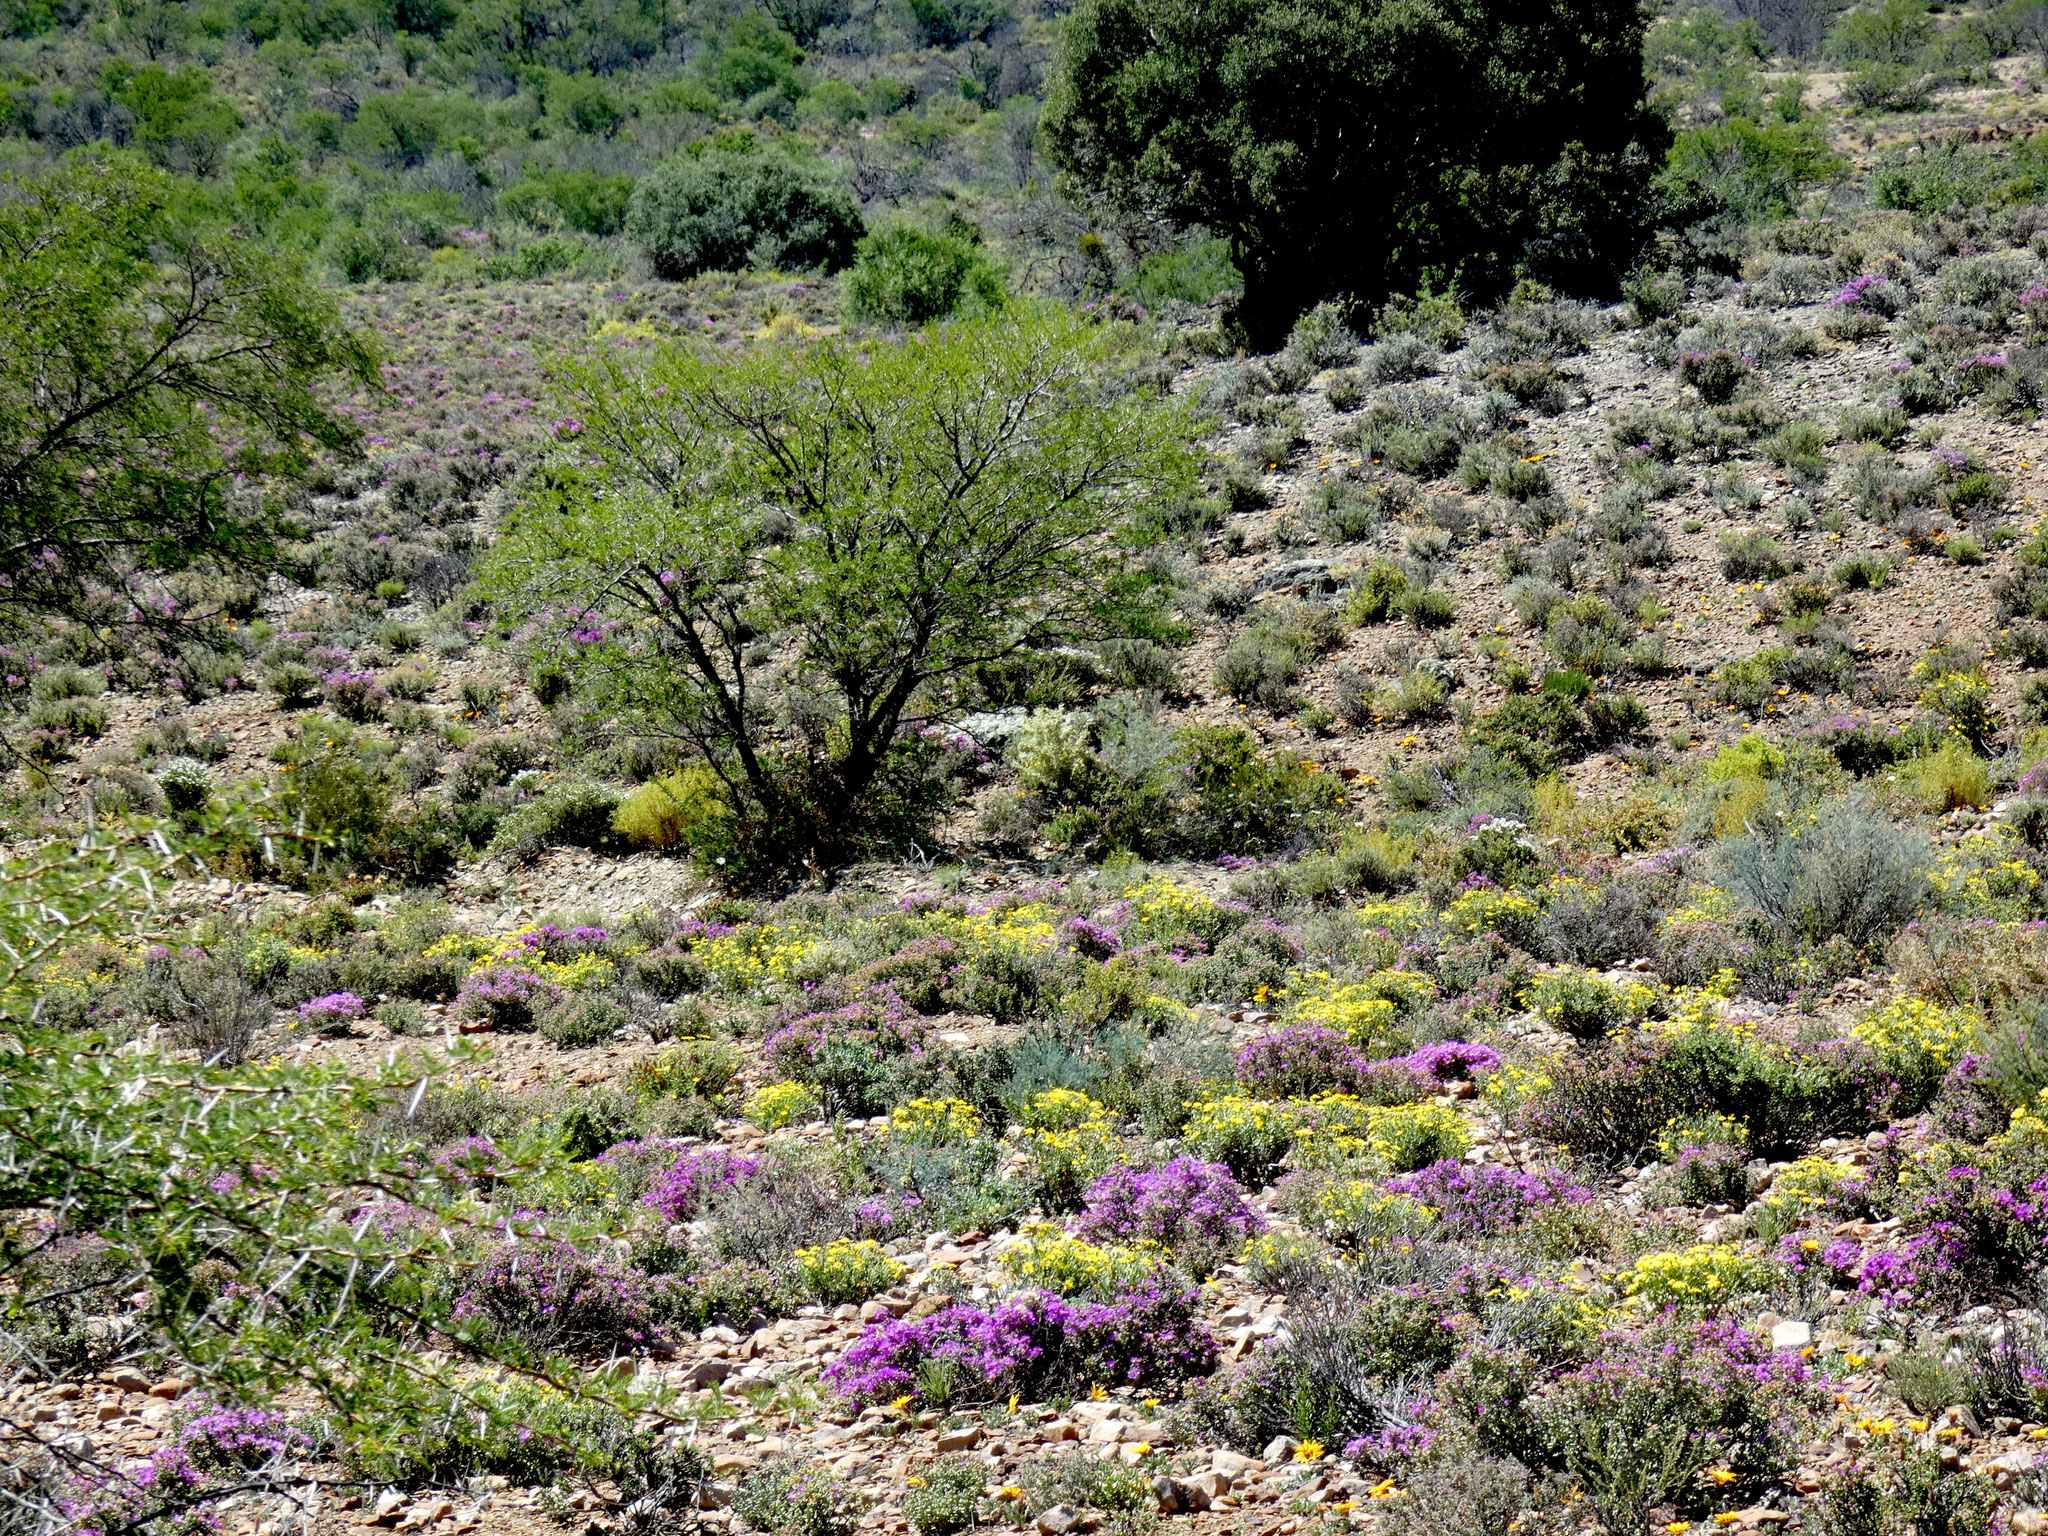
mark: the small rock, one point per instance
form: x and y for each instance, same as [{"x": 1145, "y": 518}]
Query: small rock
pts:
[
  {"x": 1059, "y": 1520},
  {"x": 965, "y": 1438},
  {"x": 1281, "y": 1448},
  {"x": 172, "y": 1389},
  {"x": 1208, "y": 1486},
  {"x": 1234, "y": 1466},
  {"x": 1791, "y": 1334},
  {"x": 130, "y": 1381}
]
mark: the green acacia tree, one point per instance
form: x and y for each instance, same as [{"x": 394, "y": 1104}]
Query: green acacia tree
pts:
[
  {"x": 781, "y": 559},
  {"x": 1353, "y": 147},
  {"x": 150, "y": 362}
]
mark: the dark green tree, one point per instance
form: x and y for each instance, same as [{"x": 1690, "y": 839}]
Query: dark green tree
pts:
[
  {"x": 1356, "y": 147},
  {"x": 150, "y": 363}
]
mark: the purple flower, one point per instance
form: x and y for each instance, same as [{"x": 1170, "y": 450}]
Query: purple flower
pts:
[
  {"x": 1489, "y": 1199},
  {"x": 1179, "y": 1202},
  {"x": 334, "y": 1008},
  {"x": 1030, "y": 1344},
  {"x": 681, "y": 1190}
]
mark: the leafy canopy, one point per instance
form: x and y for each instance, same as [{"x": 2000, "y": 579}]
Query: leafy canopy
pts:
[
  {"x": 1360, "y": 146},
  {"x": 150, "y": 364},
  {"x": 781, "y": 559},
  {"x": 728, "y": 207}
]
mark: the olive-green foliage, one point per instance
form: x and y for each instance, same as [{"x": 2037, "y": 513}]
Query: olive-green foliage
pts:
[
  {"x": 150, "y": 359},
  {"x": 902, "y": 573},
  {"x": 906, "y": 277},
  {"x": 724, "y": 209},
  {"x": 1219, "y": 119}
]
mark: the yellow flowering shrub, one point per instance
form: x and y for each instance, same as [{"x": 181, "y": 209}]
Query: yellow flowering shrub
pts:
[
  {"x": 1689, "y": 1008},
  {"x": 1069, "y": 1140},
  {"x": 1246, "y": 1135},
  {"x": 1406, "y": 1137},
  {"x": 1910, "y": 1033},
  {"x": 1357, "y": 1009},
  {"x": 469, "y": 947},
  {"x": 1586, "y": 1005},
  {"x": 1409, "y": 991},
  {"x": 1700, "y": 1131},
  {"x": 1162, "y": 908},
  {"x": 1271, "y": 1257},
  {"x": 755, "y": 956},
  {"x": 1399, "y": 918},
  {"x": 1049, "y": 1259},
  {"x": 1488, "y": 909},
  {"x": 1358, "y": 1214},
  {"x": 2027, "y": 1128},
  {"x": 936, "y": 1122},
  {"x": 782, "y": 1104},
  {"x": 86, "y": 969},
  {"x": 1980, "y": 877},
  {"x": 1015, "y": 930},
  {"x": 579, "y": 973},
  {"x": 1059, "y": 1109},
  {"x": 1509, "y": 1087},
  {"x": 1807, "y": 1183},
  {"x": 1693, "y": 1279},
  {"x": 847, "y": 1271}
]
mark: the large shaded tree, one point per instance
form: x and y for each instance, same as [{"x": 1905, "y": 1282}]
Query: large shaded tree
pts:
[
  {"x": 149, "y": 361},
  {"x": 1355, "y": 147},
  {"x": 780, "y": 560}
]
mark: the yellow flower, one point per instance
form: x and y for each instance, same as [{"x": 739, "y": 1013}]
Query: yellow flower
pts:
[
  {"x": 1009, "y": 1491},
  {"x": 1309, "y": 1450},
  {"x": 1855, "y": 1362},
  {"x": 1918, "y": 1426},
  {"x": 1720, "y": 1476},
  {"x": 1383, "y": 1489},
  {"x": 1728, "y": 1517},
  {"x": 901, "y": 1404},
  {"x": 1096, "y": 1394},
  {"x": 1013, "y": 1402},
  {"x": 1142, "y": 1449},
  {"x": 1678, "y": 1527},
  {"x": 914, "y": 1482}
]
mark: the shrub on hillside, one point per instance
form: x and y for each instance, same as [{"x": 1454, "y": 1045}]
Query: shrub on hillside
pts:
[
  {"x": 906, "y": 277},
  {"x": 726, "y": 209}
]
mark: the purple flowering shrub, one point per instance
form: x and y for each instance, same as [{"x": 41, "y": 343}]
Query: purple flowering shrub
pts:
[
  {"x": 1015, "y": 1346},
  {"x": 1146, "y": 1338},
  {"x": 694, "y": 1177},
  {"x": 550, "y": 942},
  {"x": 471, "y": 1160},
  {"x": 1299, "y": 1062},
  {"x": 220, "y": 1439},
  {"x": 354, "y": 696},
  {"x": 1486, "y": 1200},
  {"x": 335, "y": 1010},
  {"x": 551, "y": 1295},
  {"x": 1186, "y": 1201},
  {"x": 1031, "y": 1345},
  {"x": 1303, "y": 1060},
  {"x": 506, "y": 997},
  {"x": 1447, "y": 1061},
  {"x": 217, "y": 1451}
]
